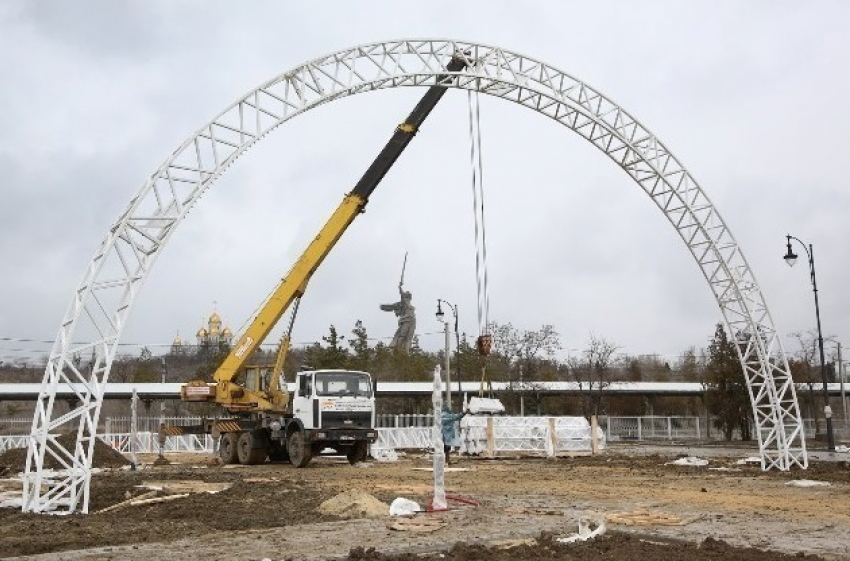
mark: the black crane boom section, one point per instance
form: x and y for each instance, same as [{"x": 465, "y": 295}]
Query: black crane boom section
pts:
[{"x": 404, "y": 132}]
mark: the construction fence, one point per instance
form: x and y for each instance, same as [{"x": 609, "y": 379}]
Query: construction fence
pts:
[{"x": 507, "y": 434}]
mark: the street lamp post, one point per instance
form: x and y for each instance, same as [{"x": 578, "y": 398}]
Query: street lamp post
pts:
[
  {"x": 440, "y": 316},
  {"x": 791, "y": 258}
]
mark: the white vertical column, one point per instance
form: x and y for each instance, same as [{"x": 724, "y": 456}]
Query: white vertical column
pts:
[
  {"x": 134, "y": 428},
  {"x": 439, "y": 502}
]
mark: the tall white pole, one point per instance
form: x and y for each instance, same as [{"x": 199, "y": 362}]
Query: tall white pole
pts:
[
  {"x": 439, "y": 501},
  {"x": 162, "y": 402},
  {"x": 841, "y": 379},
  {"x": 134, "y": 430},
  {"x": 521, "y": 394},
  {"x": 161, "y": 436}
]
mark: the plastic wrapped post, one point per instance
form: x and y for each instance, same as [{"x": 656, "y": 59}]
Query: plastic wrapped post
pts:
[
  {"x": 134, "y": 432},
  {"x": 439, "y": 502}
]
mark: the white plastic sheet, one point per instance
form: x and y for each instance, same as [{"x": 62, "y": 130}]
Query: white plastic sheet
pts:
[
  {"x": 688, "y": 461},
  {"x": 384, "y": 455},
  {"x": 808, "y": 483},
  {"x": 404, "y": 507},
  {"x": 584, "y": 530}
]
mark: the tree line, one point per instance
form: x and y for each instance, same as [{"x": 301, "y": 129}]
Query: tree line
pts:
[{"x": 523, "y": 358}]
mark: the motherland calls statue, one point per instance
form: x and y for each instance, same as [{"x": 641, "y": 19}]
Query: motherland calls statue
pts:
[{"x": 405, "y": 312}]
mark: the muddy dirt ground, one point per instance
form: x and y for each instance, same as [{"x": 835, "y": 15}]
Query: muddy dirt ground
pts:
[{"x": 656, "y": 511}]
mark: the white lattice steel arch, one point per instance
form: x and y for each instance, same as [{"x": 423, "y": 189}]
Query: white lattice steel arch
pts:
[{"x": 103, "y": 300}]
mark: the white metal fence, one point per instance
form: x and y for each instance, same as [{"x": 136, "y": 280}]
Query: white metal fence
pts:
[
  {"x": 16, "y": 426},
  {"x": 148, "y": 443},
  {"x": 653, "y": 428},
  {"x": 387, "y": 420},
  {"x": 147, "y": 424},
  {"x": 116, "y": 431}
]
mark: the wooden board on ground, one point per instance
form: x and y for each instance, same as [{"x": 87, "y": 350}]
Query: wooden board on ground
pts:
[
  {"x": 416, "y": 524},
  {"x": 446, "y": 469},
  {"x": 644, "y": 517},
  {"x": 185, "y": 486}
]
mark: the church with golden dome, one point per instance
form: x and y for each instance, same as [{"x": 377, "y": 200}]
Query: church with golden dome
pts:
[
  {"x": 210, "y": 335},
  {"x": 213, "y": 334}
]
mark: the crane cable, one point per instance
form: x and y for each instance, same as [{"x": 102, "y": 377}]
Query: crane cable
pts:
[{"x": 484, "y": 341}]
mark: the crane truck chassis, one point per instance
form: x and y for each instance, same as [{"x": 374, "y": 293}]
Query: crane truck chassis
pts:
[{"x": 329, "y": 408}]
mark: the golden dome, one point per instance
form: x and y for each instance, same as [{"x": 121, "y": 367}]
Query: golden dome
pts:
[
  {"x": 177, "y": 341},
  {"x": 227, "y": 332},
  {"x": 201, "y": 333},
  {"x": 215, "y": 319}
]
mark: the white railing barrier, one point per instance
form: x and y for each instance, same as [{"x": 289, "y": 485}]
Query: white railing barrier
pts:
[
  {"x": 147, "y": 423},
  {"x": 390, "y": 420},
  {"x": 148, "y": 443},
  {"x": 653, "y": 428},
  {"x": 8, "y": 442},
  {"x": 406, "y": 431}
]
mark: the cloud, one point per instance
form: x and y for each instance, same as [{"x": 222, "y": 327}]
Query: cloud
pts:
[{"x": 749, "y": 98}]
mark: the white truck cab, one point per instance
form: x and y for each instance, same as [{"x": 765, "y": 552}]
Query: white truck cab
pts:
[{"x": 335, "y": 409}]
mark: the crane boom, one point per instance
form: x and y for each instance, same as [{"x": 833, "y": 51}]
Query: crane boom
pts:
[{"x": 292, "y": 286}]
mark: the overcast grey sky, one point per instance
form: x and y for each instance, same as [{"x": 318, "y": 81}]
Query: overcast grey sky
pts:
[{"x": 751, "y": 97}]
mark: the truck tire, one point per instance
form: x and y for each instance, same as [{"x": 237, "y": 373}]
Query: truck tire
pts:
[
  {"x": 251, "y": 450},
  {"x": 227, "y": 448},
  {"x": 299, "y": 450},
  {"x": 278, "y": 452},
  {"x": 358, "y": 452}
]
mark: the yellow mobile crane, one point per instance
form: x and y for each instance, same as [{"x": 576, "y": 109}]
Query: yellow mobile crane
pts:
[{"x": 329, "y": 408}]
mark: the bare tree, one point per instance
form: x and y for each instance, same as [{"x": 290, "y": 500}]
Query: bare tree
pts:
[
  {"x": 593, "y": 373},
  {"x": 803, "y": 369},
  {"x": 525, "y": 348},
  {"x": 525, "y": 357},
  {"x": 691, "y": 367}
]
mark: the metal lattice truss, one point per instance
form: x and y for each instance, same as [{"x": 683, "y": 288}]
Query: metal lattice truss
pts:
[
  {"x": 147, "y": 442},
  {"x": 411, "y": 438},
  {"x": 87, "y": 339}
]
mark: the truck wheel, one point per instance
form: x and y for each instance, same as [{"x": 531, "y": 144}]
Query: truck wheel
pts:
[
  {"x": 357, "y": 452},
  {"x": 277, "y": 452},
  {"x": 227, "y": 448},
  {"x": 251, "y": 451},
  {"x": 299, "y": 450}
]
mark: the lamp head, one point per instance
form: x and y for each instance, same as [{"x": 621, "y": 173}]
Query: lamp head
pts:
[
  {"x": 440, "y": 314},
  {"x": 790, "y": 256}
]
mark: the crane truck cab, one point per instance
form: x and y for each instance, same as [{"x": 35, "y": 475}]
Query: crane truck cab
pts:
[{"x": 332, "y": 409}]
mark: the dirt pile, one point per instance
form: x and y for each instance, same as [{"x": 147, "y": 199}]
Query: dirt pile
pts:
[
  {"x": 623, "y": 547},
  {"x": 354, "y": 504},
  {"x": 104, "y": 456},
  {"x": 273, "y": 511}
]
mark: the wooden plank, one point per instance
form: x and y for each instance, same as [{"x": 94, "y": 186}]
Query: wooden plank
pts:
[{"x": 127, "y": 503}]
